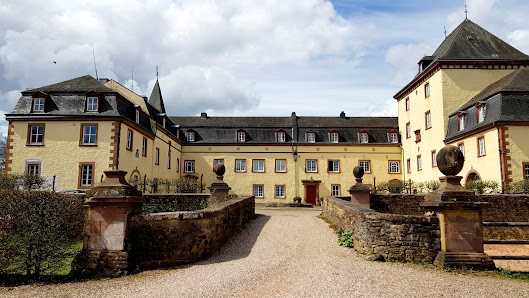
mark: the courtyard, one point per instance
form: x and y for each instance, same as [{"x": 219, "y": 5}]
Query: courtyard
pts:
[{"x": 286, "y": 252}]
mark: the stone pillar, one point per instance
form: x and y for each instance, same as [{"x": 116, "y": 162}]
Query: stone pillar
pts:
[
  {"x": 108, "y": 207},
  {"x": 360, "y": 193},
  {"x": 460, "y": 217},
  {"x": 219, "y": 189}
]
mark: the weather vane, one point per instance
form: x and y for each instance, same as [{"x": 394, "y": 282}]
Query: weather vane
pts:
[
  {"x": 466, "y": 11},
  {"x": 157, "y": 72},
  {"x": 445, "y": 30}
]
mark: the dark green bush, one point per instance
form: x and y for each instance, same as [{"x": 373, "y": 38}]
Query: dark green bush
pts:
[
  {"x": 395, "y": 186},
  {"x": 483, "y": 186},
  {"x": 157, "y": 185},
  {"x": 518, "y": 187},
  {"x": 20, "y": 181},
  {"x": 345, "y": 239},
  {"x": 39, "y": 231}
]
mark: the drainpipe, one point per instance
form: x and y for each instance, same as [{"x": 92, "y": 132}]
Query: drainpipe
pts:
[
  {"x": 501, "y": 152},
  {"x": 119, "y": 143}
]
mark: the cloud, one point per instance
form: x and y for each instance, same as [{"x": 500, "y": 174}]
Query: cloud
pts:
[
  {"x": 190, "y": 90},
  {"x": 388, "y": 109},
  {"x": 8, "y": 101},
  {"x": 405, "y": 57},
  {"x": 3, "y": 126}
]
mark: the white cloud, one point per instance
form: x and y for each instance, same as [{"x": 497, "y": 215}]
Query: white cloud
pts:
[
  {"x": 8, "y": 101},
  {"x": 519, "y": 39},
  {"x": 404, "y": 57},
  {"x": 3, "y": 126},
  {"x": 388, "y": 109}
]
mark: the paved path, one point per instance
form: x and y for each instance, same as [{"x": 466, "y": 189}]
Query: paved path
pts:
[{"x": 287, "y": 253}]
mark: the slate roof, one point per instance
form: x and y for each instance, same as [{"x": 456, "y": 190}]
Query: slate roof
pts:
[
  {"x": 81, "y": 84},
  {"x": 156, "y": 99}
]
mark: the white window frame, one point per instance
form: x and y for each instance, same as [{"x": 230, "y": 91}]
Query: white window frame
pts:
[
  {"x": 240, "y": 165},
  {"x": 462, "y": 148},
  {"x": 334, "y": 166},
  {"x": 419, "y": 162},
  {"x": 394, "y": 167},
  {"x": 335, "y": 137},
  {"x": 129, "y": 139},
  {"x": 33, "y": 168},
  {"x": 481, "y": 113},
  {"x": 311, "y": 137},
  {"x": 407, "y": 103},
  {"x": 335, "y": 190},
  {"x": 408, "y": 130},
  {"x": 144, "y": 147},
  {"x": 281, "y": 165},
  {"x": 258, "y": 165},
  {"x": 258, "y": 191},
  {"x": 190, "y": 136},
  {"x": 481, "y": 146},
  {"x": 363, "y": 137},
  {"x": 157, "y": 156},
  {"x": 137, "y": 116},
  {"x": 434, "y": 158},
  {"x": 426, "y": 90},
  {"x": 38, "y": 104},
  {"x": 281, "y": 137},
  {"x": 428, "y": 119},
  {"x": 311, "y": 165},
  {"x": 461, "y": 121},
  {"x": 393, "y": 138},
  {"x": 189, "y": 166},
  {"x": 241, "y": 136},
  {"x": 34, "y": 136},
  {"x": 366, "y": 165},
  {"x": 526, "y": 171},
  {"x": 92, "y": 104},
  {"x": 279, "y": 191},
  {"x": 92, "y": 137},
  {"x": 88, "y": 175}
]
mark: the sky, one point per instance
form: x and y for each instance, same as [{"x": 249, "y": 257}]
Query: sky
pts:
[{"x": 238, "y": 57}]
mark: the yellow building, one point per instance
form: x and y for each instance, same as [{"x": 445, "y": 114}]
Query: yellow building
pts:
[{"x": 467, "y": 62}]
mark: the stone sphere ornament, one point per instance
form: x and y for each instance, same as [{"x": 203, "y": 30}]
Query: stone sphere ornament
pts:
[
  {"x": 450, "y": 160},
  {"x": 220, "y": 169},
  {"x": 358, "y": 172}
]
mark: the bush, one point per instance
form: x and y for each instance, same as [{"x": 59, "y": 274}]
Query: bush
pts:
[
  {"x": 345, "y": 239},
  {"x": 38, "y": 231},
  {"x": 395, "y": 186},
  {"x": 484, "y": 186},
  {"x": 426, "y": 186},
  {"x": 519, "y": 187},
  {"x": 158, "y": 185},
  {"x": 20, "y": 181}
]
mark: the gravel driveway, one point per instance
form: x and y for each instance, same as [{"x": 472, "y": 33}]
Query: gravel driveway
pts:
[{"x": 287, "y": 253}]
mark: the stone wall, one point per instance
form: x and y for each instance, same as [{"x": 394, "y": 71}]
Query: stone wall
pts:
[
  {"x": 173, "y": 238},
  {"x": 406, "y": 238},
  {"x": 155, "y": 203}
]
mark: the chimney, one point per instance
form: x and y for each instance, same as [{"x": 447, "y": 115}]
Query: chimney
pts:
[
  {"x": 342, "y": 115},
  {"x": 203, "y": 115},
  {"x": 103, "y": 80}
]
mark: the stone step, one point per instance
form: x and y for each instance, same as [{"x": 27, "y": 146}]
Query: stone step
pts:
[
  {"x": 511, "y": 258},
  {"x": 510, "y": 242}
]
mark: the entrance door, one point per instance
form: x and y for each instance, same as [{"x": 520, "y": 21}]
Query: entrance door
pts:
[{"x": 311, "y": 194}]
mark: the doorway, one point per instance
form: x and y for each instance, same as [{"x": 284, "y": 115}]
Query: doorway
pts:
[{"x": 312, "y": 191}]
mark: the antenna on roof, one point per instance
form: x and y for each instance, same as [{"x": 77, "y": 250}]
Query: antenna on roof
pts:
[
  {"x": 445, "y": 31},
  {"x": 156, "y": 72},
  {"x": 95, "y": 65},
  {"x": 132, "y": 88},
  {"x": 466, "y": 11}
]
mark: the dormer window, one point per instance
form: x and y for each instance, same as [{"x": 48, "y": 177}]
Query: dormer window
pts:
[
  {"x": 481, "y": 112},
  {"x": 311, "y": 137},
  {"x": 281, "y": 136},
  {"x": 363, "y": 136},
  {"x": 461, "y": 121},
  {"x": 393, "y": 137},
  {"x": 38, "y": 104},
  {"x": 190, "y": 136},
  {"x": 137, "y": 116},
  {"x": 241, "y": 136},
  {"x": 334, "y": 136},
  {"x": 92, "y": 104},
  {"x": 163, "y": 122}
]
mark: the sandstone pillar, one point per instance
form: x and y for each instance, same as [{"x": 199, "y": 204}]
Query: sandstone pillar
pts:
[
  {"x": 108, "y": 207},
  {"x": 360, "y": 193},
  {"x": 219, "y": 189}
]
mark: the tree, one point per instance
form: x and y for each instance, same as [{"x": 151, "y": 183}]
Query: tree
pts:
[{"x": 3, "y": 148}]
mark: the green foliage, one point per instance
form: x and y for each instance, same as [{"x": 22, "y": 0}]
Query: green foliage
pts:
[
  {"x": 39, "y": 231},
  {"x": 20, "y": 181},
  {"x": 297, "y": 199},
  {"x": 425, "y": 187},
  {"x": 483, "y": 187},
  {"x": 515, "y": 275},
  {"x": 157, "y": 185},
  {"x": 395, "y": 186},
  {"x": 345, "y": 239},
  {"x": 230, "y": 197},
  {"x": 518, "y": 187}
]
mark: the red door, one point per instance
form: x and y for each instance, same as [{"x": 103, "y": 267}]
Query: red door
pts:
[{"x": 311, "y": 194}]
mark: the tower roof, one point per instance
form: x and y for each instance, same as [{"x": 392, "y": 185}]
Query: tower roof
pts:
[
  {"x": 156, "y": 100},
  {"x": 81, "y": 84}
]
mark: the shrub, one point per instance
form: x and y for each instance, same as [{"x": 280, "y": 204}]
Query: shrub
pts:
[
  {"x": 38, "y": 231},
  {"x": 20, "y": 181},
  {"x": 518, "y": 187},
  {"x": 426, "y": 186},
  {"x": 297, "y": 199},
  {"x": 158, "y": 185},
  {"x": 483, "y": 186},
  {"x": 395, "y": 186},
  {"x": 345, "y": 239}
]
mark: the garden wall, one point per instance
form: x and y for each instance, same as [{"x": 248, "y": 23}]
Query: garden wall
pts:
[
  {"x": 173, "y": 238},
  {"x": 406, "y": 238},
  {"x": 154, "y": 203}
]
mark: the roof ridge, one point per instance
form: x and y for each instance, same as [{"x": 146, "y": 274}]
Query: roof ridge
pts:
[{"x": 460, "y": 29}]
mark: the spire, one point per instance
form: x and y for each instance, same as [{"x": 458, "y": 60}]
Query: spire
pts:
[{"x": 156, "y": 100}]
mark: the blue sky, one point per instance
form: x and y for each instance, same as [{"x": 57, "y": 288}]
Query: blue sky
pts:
[{"x": 237, "y": 58}]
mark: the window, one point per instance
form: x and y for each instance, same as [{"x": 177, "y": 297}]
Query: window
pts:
[
  {"x": 461, "y": 147},
  {"x": 178, "y": 165},
  {"x": 163, "y": 122},
  {"x": 281, "y": 137},
  {"x": 92, "y": 104},
  {"x": 366, "y": 164},
  {"x": 280, "y": 192},
  {"x": 407, "y": 103},
  {"x": 311, "y": 137},
  {"x": 190, "y": 136},
  {"x": 258, "y": 165},
  {"x": 394, "y": 166},
  {"x": 311, "y": 166},
  {"x": 393, "y": 137},
  {"x": 241, "y": 136},
  {"x": 281, "y": 165},
  {"x": 419, "y": 163},
  {"x": 129, "y": 139},
  {"x": 36, "y": 134},
  {"x": 33, "y": 167},
  {"x": 335, "y": 190},
  {"x": 434, "y": 158},
  {"x": 481, "y": 113},
  {"x": 417, "y": 135},
  {"x": 169, "y": 160},
  {"x": 137, "y": 116},
  {"x": 217, "y": 162},
  {"x": 86, "y": 175},
  {"x": 364, "y": 137},
  {"x": 408, "y": 130},
  {"x": 89, "y": 136},
  {"x": 481, "y": 146},
  {"x": 461, "y": 121},
  {"x": 335, "y": 137},
  {"x": 428, "y": 119},
  {"x": 38, "y": 104},
  {"x": 157, "y": 157},
  {"x": 240, "y": 165},
  {"x": 408, "y": 165},
  {"x": 189, "y": 166},
  {"x": 427, "y": 90},
  {"x": 258, "y": 191},
  {"x": 334, "y": 166},
  {"x": 144, "y": 147},
  {"x": 526, "y": 170}
]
